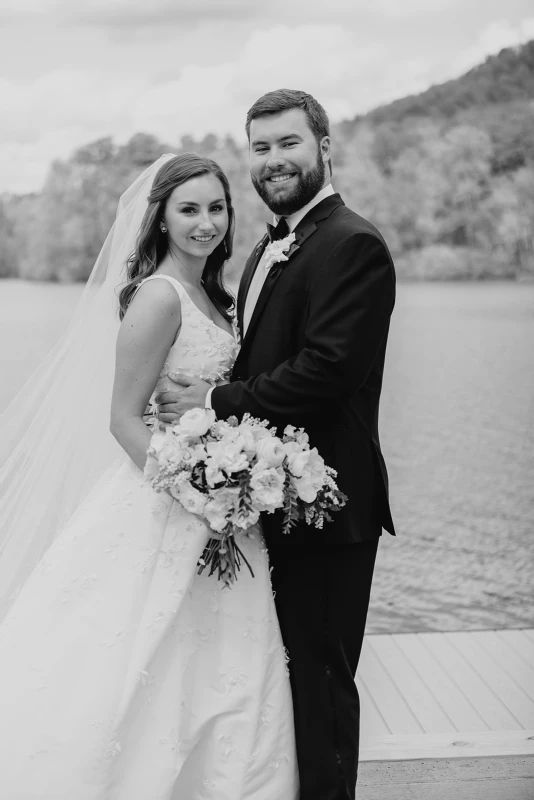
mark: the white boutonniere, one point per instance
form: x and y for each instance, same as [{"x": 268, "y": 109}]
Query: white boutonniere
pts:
[{"x": 279, "y": 250}]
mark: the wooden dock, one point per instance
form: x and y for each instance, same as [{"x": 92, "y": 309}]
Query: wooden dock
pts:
[{"x": 447, "y": 695}]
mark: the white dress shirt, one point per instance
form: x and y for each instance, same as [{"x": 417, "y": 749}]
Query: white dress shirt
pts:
[{"x": 256, "y": 284}]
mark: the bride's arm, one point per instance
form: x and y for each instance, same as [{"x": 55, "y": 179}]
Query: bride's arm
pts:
[{"x": 147, "y": 332}]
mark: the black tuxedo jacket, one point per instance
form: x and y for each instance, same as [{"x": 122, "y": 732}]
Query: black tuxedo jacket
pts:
[{"x": 313, "y": 356}]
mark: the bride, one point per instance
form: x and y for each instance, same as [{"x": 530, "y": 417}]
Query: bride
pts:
[{"x": 125, "y": 675}]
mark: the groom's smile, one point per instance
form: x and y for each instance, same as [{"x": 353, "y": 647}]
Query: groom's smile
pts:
[
  {"x": 281, "y": 178},
  {"x": 281, "y": 182}
]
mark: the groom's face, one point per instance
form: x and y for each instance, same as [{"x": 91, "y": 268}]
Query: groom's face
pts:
[{"x": 287, "y": 163}]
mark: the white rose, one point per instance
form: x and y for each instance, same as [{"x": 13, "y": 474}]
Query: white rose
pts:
[
  {"x": 302, "y": 437},
  {"x": 312, "y": 478},
  {"x": 158, "y": 438},
  {"x": 235, "y": 460},
  {"x": 291, "y": 447},
  {"x": 152, "y": 464},
  {"x": 195, "y": 453},
  {"x": 220, "y": 507},
  {"x": 196, "y": 421},
  {"x": 305, "y": 489},
  {"x": 213, "y": 474},
  {"x": 245, "y": 518},
  {"x": 227, "y": 456},
  {"x": 260, "y": 465},
  {"x": 260, "y": 432},
  {"x": 275, "y": 251},
  {"x": 220, "y": 427},
  {"x": 246, "y": 439},
  {"x": 171, "y": 449},
  {"x": 268, "y": 489},
  {"x": 271, "y": 450},
  {"x": 215, "y": 451},
  {"x": 297, "y": 461},
  {"x": 229, "y": 434},
  {"x": 191, "y": 499},
  {"x": 151, "y": 469}
]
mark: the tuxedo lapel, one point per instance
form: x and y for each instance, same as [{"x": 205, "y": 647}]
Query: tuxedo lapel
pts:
[
  {"x": 246, "y": 279},
  {"x": 303, "y": 231}
]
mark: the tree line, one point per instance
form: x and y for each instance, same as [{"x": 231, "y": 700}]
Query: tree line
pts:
[{"x": 447, "y": 177}]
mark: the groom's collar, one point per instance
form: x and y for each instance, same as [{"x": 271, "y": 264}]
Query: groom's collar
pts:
[{"x": 294, "y": 219}]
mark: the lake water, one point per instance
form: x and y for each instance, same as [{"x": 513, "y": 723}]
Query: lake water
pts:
[{"x": 457, "y": 429}]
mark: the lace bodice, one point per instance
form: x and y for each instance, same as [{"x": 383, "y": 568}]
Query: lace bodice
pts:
[{"x": 202, "y": 349}]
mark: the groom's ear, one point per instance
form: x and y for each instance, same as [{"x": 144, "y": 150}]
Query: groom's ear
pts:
[{"x": 326, "y": 151}]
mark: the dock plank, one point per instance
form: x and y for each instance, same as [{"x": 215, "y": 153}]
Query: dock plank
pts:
[
  {"x": 411, "y": 685},
  {"x": 460, "y": 710},
  {"x": 389, "y": 700},
  {"x": 424, "y": 705},
  {"x": 485, "y": 701},
  {"x": 372, "y": 721},
  {"x": 501, "y": 684},
  {"x": 520, "y": 642},
  {"x": 445, "y": 745},
  {"x": 509, "y": 660}
]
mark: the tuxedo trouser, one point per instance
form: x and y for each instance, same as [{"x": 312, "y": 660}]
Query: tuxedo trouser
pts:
[{"x": 322, "y": 597}]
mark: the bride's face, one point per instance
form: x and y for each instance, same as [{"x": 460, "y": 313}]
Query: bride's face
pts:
[{"x": 196, "y": 216}]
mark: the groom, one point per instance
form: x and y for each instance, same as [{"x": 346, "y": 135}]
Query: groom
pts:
[{"x": 314, "y": 331}]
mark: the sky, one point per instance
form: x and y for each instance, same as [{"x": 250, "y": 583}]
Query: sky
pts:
[{"x": 75, "y": 71}]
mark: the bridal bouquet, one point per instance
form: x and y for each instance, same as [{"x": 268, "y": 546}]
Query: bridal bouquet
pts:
[{"x": 228, "y": 472}]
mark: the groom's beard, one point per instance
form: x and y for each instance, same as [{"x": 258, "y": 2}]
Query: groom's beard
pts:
[{"x": 308, "y": 185}]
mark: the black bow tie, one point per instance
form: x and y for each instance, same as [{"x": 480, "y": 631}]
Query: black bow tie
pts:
[{"x": 278, "y": 232}]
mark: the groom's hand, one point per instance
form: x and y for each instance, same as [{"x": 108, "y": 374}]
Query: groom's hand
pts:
[{"x": 190, "y": 393}]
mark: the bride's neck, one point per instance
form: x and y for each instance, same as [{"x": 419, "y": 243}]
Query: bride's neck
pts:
[{"x": 187, "y": 269}]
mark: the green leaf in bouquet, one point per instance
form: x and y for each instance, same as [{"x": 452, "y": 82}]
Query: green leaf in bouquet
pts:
[{"x": 291, "y": 506}]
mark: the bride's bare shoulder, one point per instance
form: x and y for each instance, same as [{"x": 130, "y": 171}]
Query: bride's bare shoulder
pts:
[
  {"x": 155, "y": 303},
  {"x": 156, "y": 294}
]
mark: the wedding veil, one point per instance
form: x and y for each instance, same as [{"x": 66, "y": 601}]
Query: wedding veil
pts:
[{"x": 54, "y": 436}]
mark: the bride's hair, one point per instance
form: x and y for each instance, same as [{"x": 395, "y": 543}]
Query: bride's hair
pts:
[{"x": 152, "y": 244}]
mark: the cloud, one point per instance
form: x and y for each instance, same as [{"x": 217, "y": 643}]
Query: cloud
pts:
[
  {"x": 66, "y": 108},
  {"x": 216, "y": 98},
  {"x": 407, "y": 8},
  {"x": 158, "y": 12},
  {"x": 64, "y": 99},
  {"x": 493, "y": 38},
  {"x": 68, "y": 87},
  {"x": 134, "y": 13},
  {"x": 49, "y": 117},
  {"x": 127, "y": 14}
]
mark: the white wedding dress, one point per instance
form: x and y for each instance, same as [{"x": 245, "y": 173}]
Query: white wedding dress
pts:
[{"x": 127, "y": 676}]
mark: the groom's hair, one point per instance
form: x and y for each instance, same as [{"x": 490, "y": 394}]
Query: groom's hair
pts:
[{"x": 286, "y": 99}]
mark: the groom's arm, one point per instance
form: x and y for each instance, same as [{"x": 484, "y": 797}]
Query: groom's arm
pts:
[{"x": 351, "y": 302}]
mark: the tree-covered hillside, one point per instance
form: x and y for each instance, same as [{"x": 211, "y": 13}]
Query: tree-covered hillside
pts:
[
  {"x": 496, "y": 96},
  {"x": 502, "y": 78},
  {"x": 447, "y": 175}
]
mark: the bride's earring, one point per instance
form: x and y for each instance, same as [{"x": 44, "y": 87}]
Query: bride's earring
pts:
[{"x": 163, "y": 229}]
